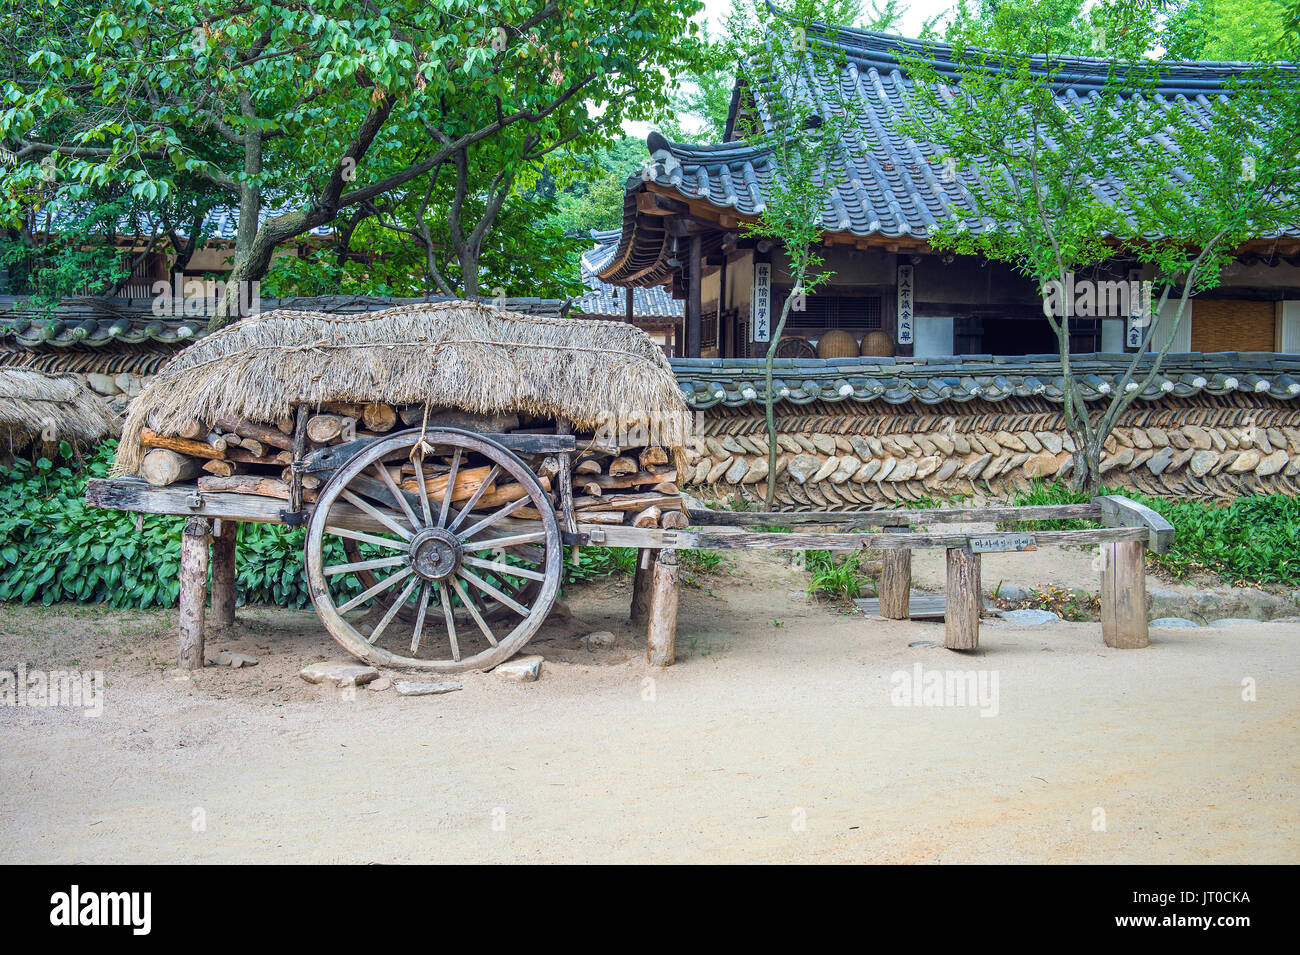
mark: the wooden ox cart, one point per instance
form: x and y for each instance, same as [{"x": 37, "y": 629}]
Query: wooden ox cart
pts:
[{"x": 440, "y": 546}]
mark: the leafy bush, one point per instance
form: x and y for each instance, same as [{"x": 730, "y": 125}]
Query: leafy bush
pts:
[{"x": 53, "y": 546}]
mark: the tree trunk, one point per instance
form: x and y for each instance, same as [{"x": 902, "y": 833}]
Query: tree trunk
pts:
[{"x": 1086, "y": 475}]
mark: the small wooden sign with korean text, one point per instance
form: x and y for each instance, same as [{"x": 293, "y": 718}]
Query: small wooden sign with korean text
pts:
[{"x": 995, "y": 543}]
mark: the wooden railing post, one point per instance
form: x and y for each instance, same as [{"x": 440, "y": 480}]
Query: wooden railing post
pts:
[
  {"x": 895, "y": 579},
  {"x": 194, "y": 592},
  {"x": 1124, "y": 595},
  {"x": 661, "y": 636},
  {"x": 961, "y": 616}
]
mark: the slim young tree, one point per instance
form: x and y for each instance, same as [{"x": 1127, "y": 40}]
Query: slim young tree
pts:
[
  {"x": 799, "y": 136},
  {"x": 1119, "y": 177}
]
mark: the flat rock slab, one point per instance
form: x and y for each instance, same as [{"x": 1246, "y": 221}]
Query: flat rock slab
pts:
[
  {"x": 229, "y": 658},
  {"x": 1234, "y": 622},
  {"x": 1029, "y": 617},
  {"x": 520, "y": 669},
  {"x": 407, "y": 688},
  {"x": 1173, "y": 622},
  {"x": 339, "y": 673}
]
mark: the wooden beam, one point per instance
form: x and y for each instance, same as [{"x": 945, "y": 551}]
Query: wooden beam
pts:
[
  {"x": 1119, "y": 511},
  {"x": 656, "y": 204}
]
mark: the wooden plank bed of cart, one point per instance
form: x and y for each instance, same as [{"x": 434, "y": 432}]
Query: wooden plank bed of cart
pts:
[{"x": 492, "y": 572}]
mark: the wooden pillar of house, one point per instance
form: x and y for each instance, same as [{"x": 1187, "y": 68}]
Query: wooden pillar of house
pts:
[
  {"x": 694, "y": 301},
  {"x": 629, "y": 305}
]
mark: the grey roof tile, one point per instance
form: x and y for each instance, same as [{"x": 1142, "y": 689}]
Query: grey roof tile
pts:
[{"x": 737, "y": 382}]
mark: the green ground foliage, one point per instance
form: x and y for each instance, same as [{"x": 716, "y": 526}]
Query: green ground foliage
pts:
[{"x": 1252, "y": 540}]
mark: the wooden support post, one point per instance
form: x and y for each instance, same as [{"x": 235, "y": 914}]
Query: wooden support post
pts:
[
  {"x": 223, "y": 573},
  {"x": 661, "y": 636},
  {"x": 694, "y": 303},
  {"x": 961, "y": 617},
  {"x": 1124, "y": 595},
  {"x": 631, "y": 314},
  {"x": 895, "y": 579},
  {"x": 194, "y": 592},
  {"x": 645, "y": 568}
]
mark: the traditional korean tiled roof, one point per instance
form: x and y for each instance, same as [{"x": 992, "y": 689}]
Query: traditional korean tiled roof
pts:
[
  {"x": 602, "y": 300},
  {"x": 887, "y": 185},
  {"x": 99, "y": 324},
  {"x": 735, "y": 382}
]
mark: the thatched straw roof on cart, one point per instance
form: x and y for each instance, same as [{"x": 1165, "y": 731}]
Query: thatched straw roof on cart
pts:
[
  {"x": 464, "y": 355},
  {"x": 50, "y": 408}
]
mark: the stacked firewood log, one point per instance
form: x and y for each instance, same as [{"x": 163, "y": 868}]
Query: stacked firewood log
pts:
[
  {"x": 636, "y": 487},
  {"x": 632, "y": 487}
]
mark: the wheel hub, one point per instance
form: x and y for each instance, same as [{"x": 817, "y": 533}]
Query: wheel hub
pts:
[{"x": 435, "y": 554}]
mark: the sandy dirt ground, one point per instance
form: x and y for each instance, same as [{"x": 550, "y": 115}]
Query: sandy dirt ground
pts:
[{"x": 776, "y": 737}]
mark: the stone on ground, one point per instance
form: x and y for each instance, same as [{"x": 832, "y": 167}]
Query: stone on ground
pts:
[
  {"x": 1030, "y": 617},
  {"x": 339, "y": 673},
  {"x": 229, "y": 658},
  {"x": 1172, "y": 622},
  {"x": 520, "y": 669},
  {"x": 601, "y": 639},
  {"x": 407, "y": 688}
]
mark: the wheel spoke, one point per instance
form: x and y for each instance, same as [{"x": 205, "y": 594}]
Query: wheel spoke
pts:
[
  {"x": 451, "y": 620},
  {"x": 382, "y": 585},
  {"x": 398, "y": 495},
  {"x": 500, "y": 543},
  {"x": 487, "y": 588},
  {"x": 364, "y": 565},
  {"x": 500, "y": 568},
  {"x": 451, "y": 487},
  {"x": 478, "y": 493},
  {"x": 419, "y": 617},
  {"x": 495, "y": 516},
  {"x": 424, "y": 491},
  {"x": 473, "y": 611},
  {"x": 358, "y": 502},
  {"x": 392, "y": 611},
  {"x": 368, "y": 538}
]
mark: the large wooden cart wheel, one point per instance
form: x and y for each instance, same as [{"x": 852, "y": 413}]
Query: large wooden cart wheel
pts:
[{"x": 451, "y": 564}]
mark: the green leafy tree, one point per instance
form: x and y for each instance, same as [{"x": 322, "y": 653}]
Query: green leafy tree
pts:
[
  {"x": 1201, "y": 185},
  {"x": 800, "y": 140},
  {"x": 299, "y": 111},
  {"x": 1225, "y": 29}
]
